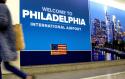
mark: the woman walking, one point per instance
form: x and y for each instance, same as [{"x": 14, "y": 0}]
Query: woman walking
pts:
[{"x": 7, "y": 42}]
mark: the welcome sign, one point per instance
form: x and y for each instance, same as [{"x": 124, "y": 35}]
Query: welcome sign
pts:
[
  {"x": 47, "y": 22},
  {"x": 54, "y": 17}
]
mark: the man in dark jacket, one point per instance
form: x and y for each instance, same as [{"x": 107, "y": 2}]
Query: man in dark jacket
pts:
[{"x": 7, "y": 42}]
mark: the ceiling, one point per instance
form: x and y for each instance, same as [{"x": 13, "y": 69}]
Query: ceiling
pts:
[{"x": 120, "y": 1}]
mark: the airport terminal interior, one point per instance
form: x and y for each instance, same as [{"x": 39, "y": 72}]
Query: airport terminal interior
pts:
[{"x": 70, "y": 39}]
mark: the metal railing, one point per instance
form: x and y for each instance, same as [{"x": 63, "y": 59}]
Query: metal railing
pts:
[{"x": 104, "y": 54}]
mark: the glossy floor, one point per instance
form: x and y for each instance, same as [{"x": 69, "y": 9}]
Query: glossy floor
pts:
[
  {"x": 118, "y": 75},
  {"x": 116, "y": 72}
]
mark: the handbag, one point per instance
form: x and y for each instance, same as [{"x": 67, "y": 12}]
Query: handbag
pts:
[{"x": 20, "y": 45}]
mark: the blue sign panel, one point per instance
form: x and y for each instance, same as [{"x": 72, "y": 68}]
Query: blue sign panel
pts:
[{"x": 47, "y": 22}]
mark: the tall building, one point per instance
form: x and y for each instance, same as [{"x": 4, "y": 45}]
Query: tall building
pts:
[
  {"x": 99, "y": 31},
  {"x": 108, "y": 27}
]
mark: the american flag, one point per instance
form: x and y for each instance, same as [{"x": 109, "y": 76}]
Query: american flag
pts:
[{"x": 58, "y": 49}]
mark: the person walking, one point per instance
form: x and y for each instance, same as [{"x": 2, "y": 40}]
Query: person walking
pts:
[{"x": 7, "y": 42}]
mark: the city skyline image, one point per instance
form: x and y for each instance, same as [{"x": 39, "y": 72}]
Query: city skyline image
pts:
[{"x": 107, "y": 29}]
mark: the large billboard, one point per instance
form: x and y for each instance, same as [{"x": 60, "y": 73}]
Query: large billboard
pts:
[
  {"x": 48, "y": 22},
  {"x": 108, "y": 29}
]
